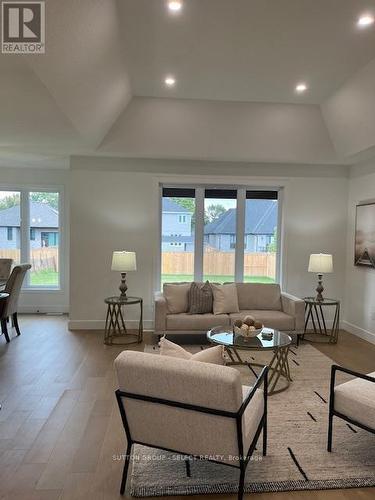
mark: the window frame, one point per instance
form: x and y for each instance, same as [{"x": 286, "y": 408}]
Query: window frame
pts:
[
  {"x": 242, "y": 190},
  {"x": 25, "y": 239}
]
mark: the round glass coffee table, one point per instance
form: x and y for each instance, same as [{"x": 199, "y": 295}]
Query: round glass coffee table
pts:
[{"x": 279, "y": 374}]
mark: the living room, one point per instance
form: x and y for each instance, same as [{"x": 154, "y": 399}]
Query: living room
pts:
[{"x": 252, "y": 123}]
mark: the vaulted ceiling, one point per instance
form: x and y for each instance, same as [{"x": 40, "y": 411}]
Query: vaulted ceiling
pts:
[{"x": 99, "y": 89}]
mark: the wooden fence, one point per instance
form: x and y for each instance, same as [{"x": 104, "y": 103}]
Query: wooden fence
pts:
[
  {"x": 219, "y": 263},
  {"x": 40, "y": 258}
]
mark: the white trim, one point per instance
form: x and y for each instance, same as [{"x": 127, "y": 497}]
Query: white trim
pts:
[
  {"x": 199, "y": 234},
  {"x": 34, "y": 309},
  {"x": 279, "y": 235},
  {"x": 240, "y": 235},
  {"x": 82, "y": 324},
  {"x": 359, "y": 332}
]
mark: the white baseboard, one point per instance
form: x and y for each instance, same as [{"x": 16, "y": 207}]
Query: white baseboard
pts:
[
  {"x": 100, "y": 324},
  {"x": 359, "y": 332},
  {"x": 43, "y": 309}
]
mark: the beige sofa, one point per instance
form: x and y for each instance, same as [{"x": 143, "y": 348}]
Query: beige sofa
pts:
[{"x": 266, "y": 302}]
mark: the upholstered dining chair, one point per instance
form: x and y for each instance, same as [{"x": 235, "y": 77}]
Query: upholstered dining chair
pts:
[
  {"x": 9, "y": 307},
  {"x": 353, "y": 401},
  {"x": 5, "y": 268},
  {"x": 191, "y": 408}
]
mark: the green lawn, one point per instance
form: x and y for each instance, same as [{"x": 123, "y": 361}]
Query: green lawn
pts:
[
  {"x": 171, "y": 278},
  {"x": 44, "y": 278}
]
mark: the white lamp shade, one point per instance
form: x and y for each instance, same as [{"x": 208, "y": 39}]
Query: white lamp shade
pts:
[
  {"x": 124, "y": 261},
  {"x": 320, "y": 263}
]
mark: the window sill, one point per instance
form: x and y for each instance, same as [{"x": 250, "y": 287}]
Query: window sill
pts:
[{"x": 42, "y": 289}]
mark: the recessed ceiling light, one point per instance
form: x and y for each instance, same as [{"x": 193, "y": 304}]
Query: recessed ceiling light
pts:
[
  {"x": 175, "y": 6},
  {"x": 365, "y": 20},
  {"x": 170, "y": 81},
  {"x": 301, "y": 87}
]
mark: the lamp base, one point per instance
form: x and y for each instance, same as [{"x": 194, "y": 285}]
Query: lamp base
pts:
[
  {"x": 123, "y": 286},
  {"x": 319, "y": 289}
]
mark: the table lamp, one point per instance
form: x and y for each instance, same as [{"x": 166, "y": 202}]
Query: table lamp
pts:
[
  {"x": 123, "y": 262},
  {"x": 320, "y": 263}
]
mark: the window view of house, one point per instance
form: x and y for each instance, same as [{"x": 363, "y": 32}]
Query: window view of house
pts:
[
  {"x": 44, "y": 238},
  {"x": 220, "y": 217},
  {"x": 41, "y": 246},
  {"x": 261, "y": 216},
  {"x": 10, "y": 215},
  {"x": 177, "y": 238},
  {"x": 220, "y": 236}
]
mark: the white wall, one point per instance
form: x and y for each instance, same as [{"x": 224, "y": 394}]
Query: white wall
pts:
[
  {"x": 360, "y": 282},
  {"x": 350, "y": 113},
  {"x": 217, "y": 130},
  {"x": 118, "y": 209},
  {"x": 36, "y": 300}
]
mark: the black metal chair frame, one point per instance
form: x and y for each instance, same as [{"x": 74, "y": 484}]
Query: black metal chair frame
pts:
[
  {"x": 335, "y": 413},
  {"x": 243, "y": 459}
]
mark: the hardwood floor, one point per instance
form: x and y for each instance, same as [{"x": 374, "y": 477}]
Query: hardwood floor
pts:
[{"x": 60, "y": 427}]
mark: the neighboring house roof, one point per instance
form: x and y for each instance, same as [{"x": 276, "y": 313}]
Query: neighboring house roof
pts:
[
  {"x": 261, "y": 218},
  {"x": 172, "y": 206},
  {"x": 177, "y": 239},
  {"x": 41, "y": 215}
]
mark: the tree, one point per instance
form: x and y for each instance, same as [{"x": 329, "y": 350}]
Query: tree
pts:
[
  {"x": 10, "y": 201},
  {"x": 51, "y": 199},
  {"x": 213, "y": 212},
  {"x": 272, "y": 247},
  {"x": 188, "y": 203}
]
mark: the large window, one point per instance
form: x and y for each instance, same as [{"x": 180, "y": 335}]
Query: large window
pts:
[
  {"x": 30, "y": 232},
  {"x": 177, "y": 235},
  {"x": 219, "y": 234},
  {"x": 220, "y": 222},
  {"x": 260, "y": 253}
]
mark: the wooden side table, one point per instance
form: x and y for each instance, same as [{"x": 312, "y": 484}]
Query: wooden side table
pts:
[
  {"x": 116, "y": 332},
  {"x": 314, "y": 311}
]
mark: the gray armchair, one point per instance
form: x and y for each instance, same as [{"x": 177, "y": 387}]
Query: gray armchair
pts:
[
  {"x": 190, "y": 407},
  {"x": 353, "y": 401},
  {"x": 9, "y": 307},
  {"x": 5, "y": 268}
]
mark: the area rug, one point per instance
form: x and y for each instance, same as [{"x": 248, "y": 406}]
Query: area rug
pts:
[{"x": 297, "y": 458}]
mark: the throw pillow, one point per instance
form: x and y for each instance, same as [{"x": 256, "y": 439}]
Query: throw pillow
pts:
[
  {"x": 200, "y": 298},
  {"x": 168, "y": 348},
  {"x": 225, "y": 298},
  {"x": 214, "y": 355},
  {"x": 176, "y": 295}
]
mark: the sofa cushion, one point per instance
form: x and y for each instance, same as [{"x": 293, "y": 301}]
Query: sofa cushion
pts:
[
  {"x": 176, "y": 295},
  {"x": 225, "y": 298},
  {"x": 270, "y": 319},
  {"x": 200, "y": 298},
  {"x": 356, "y": 400},
  {"x": 199, "y": 322},
  {"x": 259, "y": 296},
  {"x": 214, "y": 355}
]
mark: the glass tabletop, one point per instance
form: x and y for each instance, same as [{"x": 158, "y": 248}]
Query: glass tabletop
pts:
[
  {"x": 123, "y": 300},
  {"x": 224, "y": 336},
  {"x": 324, "y": 302}
]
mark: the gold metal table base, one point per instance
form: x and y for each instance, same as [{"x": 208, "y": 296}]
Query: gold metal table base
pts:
[
  {"x": 278, "y": 367},
  {"x": 321, "y": 333},
  {"x": 115, "y": 332}
]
